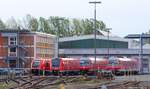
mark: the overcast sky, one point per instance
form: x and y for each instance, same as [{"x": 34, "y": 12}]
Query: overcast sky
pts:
[{"x": 123, "y": 16}]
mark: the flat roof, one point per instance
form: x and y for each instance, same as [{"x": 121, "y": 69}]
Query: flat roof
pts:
[
  {"x": 44, "y": 34},
  {"x": 74, "y": 38},
  {"x": 25, "y": 31},
  {"x": 134, "y": 36},
  {"x": 14, "y": 30}
]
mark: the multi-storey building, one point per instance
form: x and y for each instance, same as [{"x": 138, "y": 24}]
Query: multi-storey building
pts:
[{"x": 19, "y": 47}]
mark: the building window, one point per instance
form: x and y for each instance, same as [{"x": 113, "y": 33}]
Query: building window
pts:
[
  {"x": 13, "y": 51},
  {"x": 12, "y": 41}
]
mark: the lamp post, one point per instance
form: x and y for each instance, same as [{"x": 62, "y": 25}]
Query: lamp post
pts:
[
  {"x": 108, "y": 31},
  {"x": 141, "y": 52},
  {"x": 95, "y": 3},
  {"x": 18, "y": 47},
  {"x": 58, "y": 34}
]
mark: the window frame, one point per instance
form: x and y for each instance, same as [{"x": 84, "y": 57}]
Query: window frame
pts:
[
  {"x": 14, "y": 41},
  {"x": 9, "y": 51}
]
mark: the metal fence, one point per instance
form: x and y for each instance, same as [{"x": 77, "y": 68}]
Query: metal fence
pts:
[{"x": 7, "y": 73}]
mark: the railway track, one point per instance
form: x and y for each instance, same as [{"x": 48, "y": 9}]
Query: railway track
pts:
[
  {"x": 40, "y": 82},
  {"x": 118, "y": 85},
  {"x": 121, "y": 85},
  {"x": 33, "y": 83}
]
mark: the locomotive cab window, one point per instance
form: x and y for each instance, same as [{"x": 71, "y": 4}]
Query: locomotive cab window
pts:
[
  {"x": 113, "y": 61},
  {"x": 56, "y": 62},
  {"x": 36, "y": 63},
  {"x": 84, "y": 62},
  {"x": 47, "y": 64}
]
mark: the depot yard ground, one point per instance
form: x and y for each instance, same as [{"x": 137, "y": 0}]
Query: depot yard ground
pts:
[
  {"x": 80, "y": 82},
  {"x": 145, "y": 77}
]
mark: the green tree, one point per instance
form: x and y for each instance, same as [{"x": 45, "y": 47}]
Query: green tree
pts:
[
  {"x": 59, "y": 25},
  {"x": 26, "y": 21},
  {"x": 54, "y": 24},
  {"x": 12, "y": 23},
  {"x": 63, "y": 26},
  {"x": 33, "y": 24},
  {"x": 88, "y": 26},
  {"x": 2, "y": 25},
  {"x": 44, "y": 25},
  {"x": 100, "y": 25},
  {"x": 66, "y": 28},
  {"x": 78, "y": 28}
]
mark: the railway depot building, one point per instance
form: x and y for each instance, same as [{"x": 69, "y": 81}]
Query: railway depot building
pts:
[
  {"x": 19, "y": 47},
  {"x": 79, "y": 46},
  {"x": 84, "y": 45}
]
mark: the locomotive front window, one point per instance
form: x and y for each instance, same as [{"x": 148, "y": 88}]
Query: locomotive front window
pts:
[
  {"x": 36, "y": 63},
  {"x": 84, "y": 62},
  {"x": 56, "y": 62},
  {"x": 47, "y": 64},
  {"x": 113, "y": 61}
]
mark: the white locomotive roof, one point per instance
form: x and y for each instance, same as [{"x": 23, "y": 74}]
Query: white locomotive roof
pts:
[
  {"x": 125, "y": 59},
  {"x": 97, "y": 59},
  {"x": 69, "y": 58}
]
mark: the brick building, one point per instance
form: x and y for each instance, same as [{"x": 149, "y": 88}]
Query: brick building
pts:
[{"x": 19, "y": 47}]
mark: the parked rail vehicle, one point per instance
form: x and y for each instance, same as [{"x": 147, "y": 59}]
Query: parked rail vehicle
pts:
[
  {"x": 40, "y": 66},
  {"x": 76, "y": 66},
  {"x": 88, "y": 65},
  {"x": 84, "y": 65},
  {"x": 123, "y": 65},
  {"x": 47, "y": 67},
  {"x": 65, "y": 66}
]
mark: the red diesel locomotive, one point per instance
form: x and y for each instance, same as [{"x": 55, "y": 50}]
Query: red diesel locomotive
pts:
[
  {"x": 84, "y": 65},
  {"x": 122, "y": 65},
  {"x": 37, "y": 66},
  {"x": 40, "y": 66},
  {"x": 64, "y": 66},
  {"x": 88, "y": 64}
]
